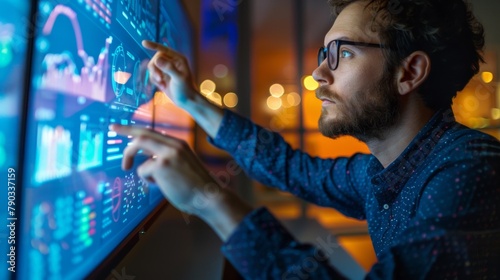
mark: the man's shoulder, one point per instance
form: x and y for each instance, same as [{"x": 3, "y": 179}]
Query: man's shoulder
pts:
[
  {"x": 463, "y": 135},
  {"x": 461, "y": 142}
]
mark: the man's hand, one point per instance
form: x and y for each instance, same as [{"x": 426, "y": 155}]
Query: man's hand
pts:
[
  {"x": 182, "y": 178},
  {"x": 169, "y": 71},
  {"x": 171, "y": 74}
]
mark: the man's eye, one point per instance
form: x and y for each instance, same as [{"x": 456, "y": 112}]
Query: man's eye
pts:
[{"x": 345, "y": 54}]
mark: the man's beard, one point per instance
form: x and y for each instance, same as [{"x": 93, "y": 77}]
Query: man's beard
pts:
[{"x": 368, "y": 116}]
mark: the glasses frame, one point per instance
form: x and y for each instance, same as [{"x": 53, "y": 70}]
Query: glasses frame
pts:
[{"x": 325, "y": 53}]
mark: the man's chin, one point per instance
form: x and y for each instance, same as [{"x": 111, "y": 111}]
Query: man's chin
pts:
[
  {"x": 336, "y": 128},
  {"x": 329, "y": 127}
]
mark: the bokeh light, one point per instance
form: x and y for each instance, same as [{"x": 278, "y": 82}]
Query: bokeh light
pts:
[
  {"x": 310, "y": 83},
  {"x": 220, "y": 71},
  {"x": 215, "y": 98},
  {"x": 495, "y": 114},
  {"x": 230, "y": 100},
  {"x": 293, "y": 98},
  {"x": 207, "y": 87},
  {"x": 487, "y": 77},
  {"x": 277, "y": 90},
  {"x": 471, "y": 104},
  {"x": 274, "y": 103}
]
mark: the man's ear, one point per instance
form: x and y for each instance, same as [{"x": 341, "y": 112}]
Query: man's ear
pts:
[{"x": 413, "y": 72}]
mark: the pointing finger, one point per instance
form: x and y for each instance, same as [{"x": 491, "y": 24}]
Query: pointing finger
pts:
[
  {"x": 128, "y": 130},
  {"x": 154, "y": 46},
  {"x": 145, "y": 133}
]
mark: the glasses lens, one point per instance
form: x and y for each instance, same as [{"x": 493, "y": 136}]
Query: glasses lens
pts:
[
  {"x": 322, "y": 54},
  {"x": 332, "y": 57}
]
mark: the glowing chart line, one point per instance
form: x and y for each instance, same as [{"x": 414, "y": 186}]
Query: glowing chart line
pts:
[{"x": 60, "y": 75}]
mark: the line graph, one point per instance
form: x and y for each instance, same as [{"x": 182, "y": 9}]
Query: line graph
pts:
[{"x": 61, "y": 71}]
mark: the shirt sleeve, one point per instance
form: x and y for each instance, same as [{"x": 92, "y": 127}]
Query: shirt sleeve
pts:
[
  {"x": 267, "y": 158},
  {"x": 261, "y": 248}
]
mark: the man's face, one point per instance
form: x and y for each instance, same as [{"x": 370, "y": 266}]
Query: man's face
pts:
[{"x": 360, "y": 97}]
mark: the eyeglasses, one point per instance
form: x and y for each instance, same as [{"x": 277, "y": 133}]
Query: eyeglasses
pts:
[{"x": 331, "y": 51}]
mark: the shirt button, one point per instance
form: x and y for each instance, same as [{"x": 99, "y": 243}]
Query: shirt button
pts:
[{"x": 386, "y": 206}]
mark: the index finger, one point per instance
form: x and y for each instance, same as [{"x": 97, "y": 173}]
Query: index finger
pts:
[
  {"x": 154, "y": 46},
  {"x": 140, "y": 131}
]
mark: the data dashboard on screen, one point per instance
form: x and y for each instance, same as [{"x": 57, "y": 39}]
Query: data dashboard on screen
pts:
[{"x": 88, "y": 71}]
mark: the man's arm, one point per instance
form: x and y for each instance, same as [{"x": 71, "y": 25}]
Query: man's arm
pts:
[{"x": 267, "y": 158}]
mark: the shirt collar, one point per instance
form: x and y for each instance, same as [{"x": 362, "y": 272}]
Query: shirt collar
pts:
[{"x": 387, "y": 183}]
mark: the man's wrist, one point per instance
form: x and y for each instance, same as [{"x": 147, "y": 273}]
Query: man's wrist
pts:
[
  {"x": 225, "y": 213},
  {"x": 206, "y": 114}
]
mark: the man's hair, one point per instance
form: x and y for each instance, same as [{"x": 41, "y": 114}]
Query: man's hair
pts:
[{"x": 446, "y": 30}]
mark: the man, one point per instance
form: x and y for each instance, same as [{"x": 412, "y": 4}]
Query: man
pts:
[{"x": 387, "y": 74}]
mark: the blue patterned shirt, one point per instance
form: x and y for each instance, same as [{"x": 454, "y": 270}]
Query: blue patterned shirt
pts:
[{"x": 433, "y": 212}]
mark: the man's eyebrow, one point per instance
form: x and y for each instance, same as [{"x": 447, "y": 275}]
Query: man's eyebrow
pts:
[{"x": 340, "y": 38}]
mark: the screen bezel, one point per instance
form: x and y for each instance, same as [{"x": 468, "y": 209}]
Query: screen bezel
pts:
[{"x": 21, "y": 133}]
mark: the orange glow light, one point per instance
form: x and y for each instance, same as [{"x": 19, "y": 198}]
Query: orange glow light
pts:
[
  {"x": 487, "y": 77},
  {"x": 274, "y": 103},
  {"x": 310, "y": 83},
  {"x": 293, "y": 98},
  {"x": 277, "y": 90},
  {"x": 207, "y": 87},
  {"x": 215, "y": 98},
  {"x": 495, "y": 113},
  {"x": 230, "y": 100}
]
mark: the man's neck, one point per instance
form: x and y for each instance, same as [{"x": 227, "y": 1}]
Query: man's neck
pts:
[{"x": 395, "y": 140}]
